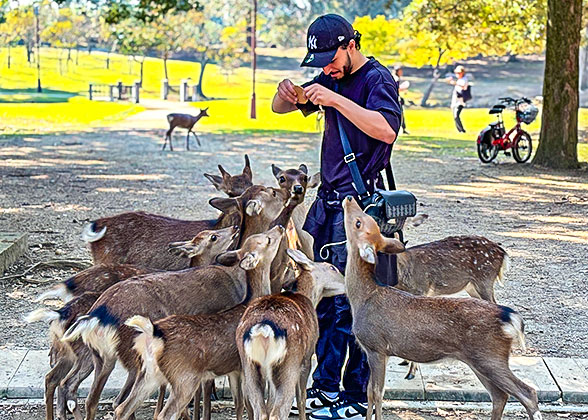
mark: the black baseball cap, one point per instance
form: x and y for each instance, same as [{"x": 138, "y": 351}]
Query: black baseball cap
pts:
[{"x": 325, "y": 35}]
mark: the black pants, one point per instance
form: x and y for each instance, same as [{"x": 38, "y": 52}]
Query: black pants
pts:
[{"x": 456, "y": 117}]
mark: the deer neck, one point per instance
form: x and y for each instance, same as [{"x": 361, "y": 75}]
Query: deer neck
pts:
[
  {"x": 305, "y": 287},
  {"x": 360, "y": 282},
  {"x": 285, "y": 215},
  {"x": 198, "y": 117},
  {"x": 258, "y": 282}
]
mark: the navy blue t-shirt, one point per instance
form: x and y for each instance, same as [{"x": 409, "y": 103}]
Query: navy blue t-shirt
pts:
[{"x": 372, "y": 87}]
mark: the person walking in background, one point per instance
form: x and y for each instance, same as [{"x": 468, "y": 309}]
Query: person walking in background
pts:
[
  {"x": 403, "y": 86},
  {"x": 459, "y": 96}
]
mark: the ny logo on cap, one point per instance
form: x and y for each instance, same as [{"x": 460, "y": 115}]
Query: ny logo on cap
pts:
[{"x": 312, "y": 42}]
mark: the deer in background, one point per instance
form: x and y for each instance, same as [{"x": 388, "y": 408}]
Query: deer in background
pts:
[
  {"x": 183, "y": 121},
  {"x": 389, "y": 322}
]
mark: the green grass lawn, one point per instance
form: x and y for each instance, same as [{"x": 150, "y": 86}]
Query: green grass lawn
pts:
[{"x": 60, "y": 108}]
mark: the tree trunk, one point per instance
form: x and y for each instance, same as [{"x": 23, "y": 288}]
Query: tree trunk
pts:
[
  {"x": 77, "y": 55},
  {"x": 203, "y": 64},
  {"x": 108, "y": 61},
  {"x": 436, "y": 76},
  {"x": 69, "y": 56},
  {"x": 165, "y": 66},
  {"x": 141, "y": 74},
  {"x": 29, "y": 53},
  {"x": 558, "y": 142},
  {"x": 8, "y": 55}
]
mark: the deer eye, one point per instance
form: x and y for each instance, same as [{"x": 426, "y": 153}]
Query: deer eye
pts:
[
  {"x": 282, "y": 180},
  {"x": 305, "y": 179},
  {"x": 274, "y": 193},
  {"x": 213, "y": 238},
  {"x": 269, "y": 240},
  {"x": 358, "y": 224}
]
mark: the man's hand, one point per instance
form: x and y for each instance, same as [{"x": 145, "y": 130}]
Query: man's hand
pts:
[
  {"x": 320, "y": 95},
  {"x": 286, "y": 92}
]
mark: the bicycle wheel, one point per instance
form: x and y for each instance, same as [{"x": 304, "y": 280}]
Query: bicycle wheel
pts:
[
  {"x": 522, "y": 147},
  {"x": 486, "y": 150}
]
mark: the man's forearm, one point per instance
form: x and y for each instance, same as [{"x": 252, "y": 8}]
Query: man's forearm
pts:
[
  {"x": 370, "y": 122},
  {"x": 280, "y": 106}
]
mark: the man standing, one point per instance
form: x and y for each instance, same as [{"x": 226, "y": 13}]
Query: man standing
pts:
[
  {"x": 458, "y": 101},
  {"x": 361, "y": 96}
]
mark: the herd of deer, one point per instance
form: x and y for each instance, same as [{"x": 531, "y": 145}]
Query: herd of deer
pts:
[{"x": 180, "y": 302}]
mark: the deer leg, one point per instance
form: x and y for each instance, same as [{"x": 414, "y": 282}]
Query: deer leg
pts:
[
  {"x": 375, "y": 391},
  {"x": 83, "y": 367},
  {"x": 142, "y": 388},
  {"x": 236, "y": 393},
  {"x": 412, "y": 368},
  {"x": 52, "y": 380},
  {"x": 197, "y": 139},
  {"x": 206, "y": 387},
  {"x": 160, "y": 399},
  {"x": 126, "y": 388},
  {"x": 486, "y": 290},
  {"x": 188, "y": 140},
  {"x": 179, "y": 398},
  {"x": 102, "y": 370},
  {"x": 301, "y": 387},
  {"x": 196, "y": 401},
  {"x": 498, "y": 396},
  {"x": 498, "y": 372},
  {"x": 254, "y": 389}
]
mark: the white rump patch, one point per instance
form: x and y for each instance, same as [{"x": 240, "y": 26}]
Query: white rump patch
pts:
[
  {"x": 262, "y": 347},
  {"x": 88, "y": 234}
]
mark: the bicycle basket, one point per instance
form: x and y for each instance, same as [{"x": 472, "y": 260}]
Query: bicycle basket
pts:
[{"x": 528, "y": 114}]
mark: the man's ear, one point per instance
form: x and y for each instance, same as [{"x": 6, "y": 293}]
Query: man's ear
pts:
[
  {"x": 392, "y": 246},
  {"x": 250, "y": 261},
  {"x": 368, "y": 254},
  {"x": 229, "y": 258}
]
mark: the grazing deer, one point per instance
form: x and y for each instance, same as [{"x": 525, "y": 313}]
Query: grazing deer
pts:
[
  {"x": 389, "y": 322},
  {"x": 184, "y": 121},
  {"x": 142, "y": 239},
  {"x": 233, "y": 186},
  {"x": 184, "y": 350},
  {"x": 72, "y": 362},
  {"x": 277, "y": 335},
  {"x": 192, "y": 291}
]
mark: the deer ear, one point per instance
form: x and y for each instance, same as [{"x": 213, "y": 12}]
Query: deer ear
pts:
[
  {"x": 186, "y": 249},
  {"x": 224, "y": 173},
  {"x": 250, "y": 261},
  {"x": 314, "y": 181},
  {"x": 226, "y": 205},
  {"x": 300, "y": 258},
  {"x": 229, "y": 258},
  {"x": 303, "y": 168},
  {"x": 392, "y": 246},
  {"x": 215, "y": 180},
  {"x": 247, "y": 169},
  {"x": 368, "y": 254},
  {"x": 253, "y": 208},
  {"x": 275, "y": 170}
]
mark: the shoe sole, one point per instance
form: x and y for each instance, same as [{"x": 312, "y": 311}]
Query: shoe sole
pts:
[{"x": 357, "y": 416}]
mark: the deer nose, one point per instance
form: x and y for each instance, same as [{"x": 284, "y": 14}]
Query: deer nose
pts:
[{"x": 298, "y": 189}]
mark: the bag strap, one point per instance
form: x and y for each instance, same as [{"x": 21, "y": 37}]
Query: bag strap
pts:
[{"x": 349, "y": 159}]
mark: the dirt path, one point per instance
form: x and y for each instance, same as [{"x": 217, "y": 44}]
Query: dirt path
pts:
[{"x": 53, "y": 184}]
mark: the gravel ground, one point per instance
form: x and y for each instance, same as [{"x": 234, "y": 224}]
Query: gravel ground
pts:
[{"x": 51, "y": 185}]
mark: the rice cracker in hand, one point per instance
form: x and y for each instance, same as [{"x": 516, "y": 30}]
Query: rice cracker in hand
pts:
[{"x": 301, "y": 96}]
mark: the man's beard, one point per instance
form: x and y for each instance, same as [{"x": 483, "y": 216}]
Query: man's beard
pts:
[{"x": 347, "y": 67}]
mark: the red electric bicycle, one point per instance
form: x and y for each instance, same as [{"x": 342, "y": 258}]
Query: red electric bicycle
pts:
[{"x": 494, "y": 137}]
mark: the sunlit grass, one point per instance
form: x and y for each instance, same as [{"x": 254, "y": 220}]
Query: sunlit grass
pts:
[{"x": 75, "y": 114}]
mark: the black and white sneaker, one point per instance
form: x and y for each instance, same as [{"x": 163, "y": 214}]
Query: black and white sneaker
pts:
[
  {"x": 315, "y": 400},
  {"x": 342, "y": 410}
]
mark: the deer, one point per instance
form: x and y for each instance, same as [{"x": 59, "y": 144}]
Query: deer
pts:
[
  {"x": 183, "y": 121},
  {"x": 277, "y": 335},
  {"x": 197, "y": 290},
  {"x": 184, "y": 350},
  {"x": 74, "y": 360},
  {"x": 141, "y": 238},
  {"x": 390, "y": 322},
  {"x": 450, "y": 265},
  {"x": 235, "y": 185}
]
